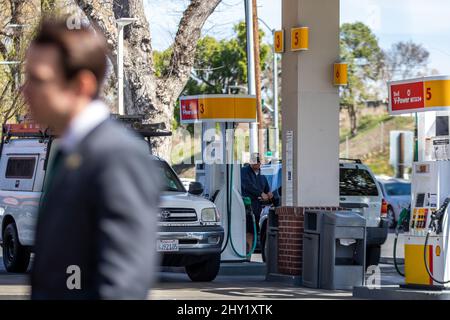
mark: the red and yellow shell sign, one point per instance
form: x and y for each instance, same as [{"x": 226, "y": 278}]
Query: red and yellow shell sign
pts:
[
  {"x": 418, "y": 95},
  {"x": 218, "y": 108}
]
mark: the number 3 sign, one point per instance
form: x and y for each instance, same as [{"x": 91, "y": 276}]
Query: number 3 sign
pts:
[{"x": 279, "y": 41}]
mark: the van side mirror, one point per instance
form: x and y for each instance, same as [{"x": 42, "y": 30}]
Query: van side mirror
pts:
[{"x": 195, "y": 188}]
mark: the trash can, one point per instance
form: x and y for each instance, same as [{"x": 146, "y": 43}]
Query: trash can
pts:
[
  {"x": 311, "y": 248},
  {"x": 333, "y": 249},
  {"x": 343, "y": 250},
  {"x": 272, "y": 243}
]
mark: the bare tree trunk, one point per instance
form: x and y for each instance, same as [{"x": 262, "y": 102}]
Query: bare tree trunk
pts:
[
  {"x": 47, "y": 6},
  {"x": 144, "y": 92}
]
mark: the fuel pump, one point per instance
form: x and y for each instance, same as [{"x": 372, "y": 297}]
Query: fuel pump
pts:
[
  {"x": 219, "y": 171},
  {"x": 426, "y": 243}
]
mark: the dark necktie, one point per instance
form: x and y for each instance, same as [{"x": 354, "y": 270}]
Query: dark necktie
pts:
[{"x": 52, "y": 169}]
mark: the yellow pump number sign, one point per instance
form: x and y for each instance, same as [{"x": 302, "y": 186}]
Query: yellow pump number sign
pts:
[
  {"x": 299, "y": 38},
  {"x": 437, "y": 93},
  {"x": 279, "y": 41}
]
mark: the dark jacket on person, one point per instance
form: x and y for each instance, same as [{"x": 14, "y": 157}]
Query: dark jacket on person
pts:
[
  {"x": 98, "y": 218},
  {"x": 252, "y": 185}
]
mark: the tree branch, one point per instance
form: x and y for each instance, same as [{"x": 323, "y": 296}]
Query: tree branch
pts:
[
  {"x": 183, "y": 55},
  {"x": 101, "y": 17},
  {"x": 140, "y": 86}
]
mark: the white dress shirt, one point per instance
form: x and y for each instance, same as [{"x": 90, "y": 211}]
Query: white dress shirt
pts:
[{"x": 94, "y": 114}]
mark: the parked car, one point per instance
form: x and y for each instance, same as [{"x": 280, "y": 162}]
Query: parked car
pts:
[
  {"x": 189, "y": 235},
  {"x": 358, "y": 191},
  {"x": 397, "y": 193}
]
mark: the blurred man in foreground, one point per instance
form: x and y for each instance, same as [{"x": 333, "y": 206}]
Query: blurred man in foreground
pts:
[{"x": 96, "y": 228}]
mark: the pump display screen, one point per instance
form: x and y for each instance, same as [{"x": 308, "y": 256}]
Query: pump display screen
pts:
[
  {"x": 442, "y": 126},
  {"x": 420, "y": 199}
]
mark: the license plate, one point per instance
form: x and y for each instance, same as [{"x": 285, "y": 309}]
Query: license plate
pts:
[{"x": 167, "y": 245}]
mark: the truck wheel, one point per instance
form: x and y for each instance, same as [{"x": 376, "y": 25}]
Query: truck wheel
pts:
[
  {"x": 204, "y": 271},
  {"x": 373, "y": 254},
  {"x": 16, "y": 257}
]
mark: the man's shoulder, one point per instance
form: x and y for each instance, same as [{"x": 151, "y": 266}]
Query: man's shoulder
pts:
[
  {"x": 248, "y": 170},
  {"x": 112, "y": 137}
]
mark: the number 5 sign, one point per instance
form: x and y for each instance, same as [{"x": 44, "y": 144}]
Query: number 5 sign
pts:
[
  {"x": 299, "y": 38},
  {"x": 437, "y": 93}
]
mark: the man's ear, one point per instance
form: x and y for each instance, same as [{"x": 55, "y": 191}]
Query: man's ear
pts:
[{"x": 86, "y": 83}]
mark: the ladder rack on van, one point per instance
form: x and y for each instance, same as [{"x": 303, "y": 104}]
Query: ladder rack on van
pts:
[
  {"x": 136, "y": 122},
  {"x": 147, "y": 130},
  {"x": 24, "y": 130},
  {"x": 358, "y": 161}
]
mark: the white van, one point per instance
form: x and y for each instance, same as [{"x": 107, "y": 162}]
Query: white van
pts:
[{"x": 190, "y": 233}]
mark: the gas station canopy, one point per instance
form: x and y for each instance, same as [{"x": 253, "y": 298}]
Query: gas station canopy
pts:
[
  {"x": 218, "y": 108},
  {"x": 420, "y": 94}
]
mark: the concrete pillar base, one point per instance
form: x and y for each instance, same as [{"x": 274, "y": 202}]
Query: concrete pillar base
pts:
[{"x": 290, "y": 238}]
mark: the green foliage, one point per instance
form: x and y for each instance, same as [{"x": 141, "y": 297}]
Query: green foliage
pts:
[
  {"x": 379, "y": 164},
  {"x": 360, "y": 50},
  {"x": 377, "y": 159},
  {"x": 366, "y": 123},
  {"x": 219, "y": 64},
  {"x": 161, "y": 60}
]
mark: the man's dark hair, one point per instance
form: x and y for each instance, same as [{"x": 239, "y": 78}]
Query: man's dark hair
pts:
[{"x": 80, "y": 48}]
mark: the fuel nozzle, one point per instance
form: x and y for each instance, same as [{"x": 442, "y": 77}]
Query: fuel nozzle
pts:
[
  {"x": 437, "y": 216},
  {"x": 404, "y": 216}
]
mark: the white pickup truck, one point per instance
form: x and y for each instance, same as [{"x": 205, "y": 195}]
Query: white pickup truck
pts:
[{"x": 190, "y": 234}]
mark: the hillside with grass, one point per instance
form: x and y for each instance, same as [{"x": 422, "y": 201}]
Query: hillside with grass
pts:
[{"x": 371, "y": 143}]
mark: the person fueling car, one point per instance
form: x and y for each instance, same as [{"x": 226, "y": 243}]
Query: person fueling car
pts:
[{"x": 255, "y": 186}]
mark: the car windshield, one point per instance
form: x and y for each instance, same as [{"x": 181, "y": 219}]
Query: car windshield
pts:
[
  {"x": 397, "y": 188},
  {"x": 273, "y": 178},
  {"x": 356, "y": 182},
  {"x": 269, "y": 178},
  {"x": 170, "y": 179}
]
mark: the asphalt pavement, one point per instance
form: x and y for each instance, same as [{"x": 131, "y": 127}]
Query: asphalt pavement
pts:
[{"x": 177, "y": 285}]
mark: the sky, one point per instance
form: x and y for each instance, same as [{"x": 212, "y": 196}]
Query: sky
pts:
[{"x": 424, "y": 22}]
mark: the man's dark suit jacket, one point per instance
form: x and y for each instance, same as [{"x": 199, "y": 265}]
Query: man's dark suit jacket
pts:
[
  {"x": 252, "y": 185},
  {"x": 99, "y": 215}
]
